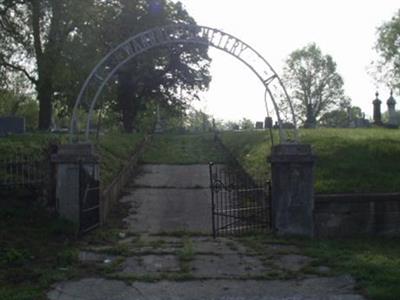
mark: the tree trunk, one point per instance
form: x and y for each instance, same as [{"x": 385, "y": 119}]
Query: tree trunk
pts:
[
  {"x": 126, "y": 100},
  {"x": 46, "y": 58},
  {"x": 310, "y": 118},
  {"x": 44, "y": 90}
]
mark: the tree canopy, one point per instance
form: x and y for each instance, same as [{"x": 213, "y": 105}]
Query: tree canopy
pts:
[
  {"x": 55, "y": 44},
  {"x": 313, "y": 83},
  {"x": 388, "y": 47}
]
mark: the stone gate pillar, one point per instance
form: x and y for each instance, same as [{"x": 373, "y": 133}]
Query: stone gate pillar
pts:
[
  {"x": 293, "y": 189},
  {"x": 69, "y": 160}
]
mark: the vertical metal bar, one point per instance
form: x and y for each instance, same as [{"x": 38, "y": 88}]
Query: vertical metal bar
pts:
[
  {"x": 82, "y": 184},
  {"x": 250, "y": 201},
  {"x": 232, "y": 199},
  {"x": 217, "y": 178},
  {"x": 237, "y": 201},
  {"x": 215, "y": 174},
  {"x": 227, "y": 219},
  {"x": 23, "y": 168},
  {"x": 222, "y": 204},
  {"x": 8, "y": 171},
  {"x": 232, "y": 202},
  {"x": 252, "y": 192},
  {"x": 270, "y": 204},
  {"x": 210, "y": 166},
  {"x": 18, "y": 165}
]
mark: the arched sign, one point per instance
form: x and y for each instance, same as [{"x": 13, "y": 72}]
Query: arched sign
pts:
[{"x": 176, "y": 34}]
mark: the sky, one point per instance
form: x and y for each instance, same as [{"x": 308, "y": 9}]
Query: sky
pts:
[{"x": 345, "y": 29}]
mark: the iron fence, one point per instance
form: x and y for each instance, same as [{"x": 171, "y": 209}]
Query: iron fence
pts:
[
  {"x": 239, "y": 205},
  {"x": 22, "y": 171}
]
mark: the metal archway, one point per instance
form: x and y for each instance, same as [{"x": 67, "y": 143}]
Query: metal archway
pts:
[{"x": 178, "y": 34}]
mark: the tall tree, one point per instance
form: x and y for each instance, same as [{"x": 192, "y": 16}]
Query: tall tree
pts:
[
  {"x": 33, "y": 34},
  {"x": 313, "y": 83},
  {"x": 388, "y": 47},
  {"x": 55, "y": 44},
  {"x": 161, "y": 74}
]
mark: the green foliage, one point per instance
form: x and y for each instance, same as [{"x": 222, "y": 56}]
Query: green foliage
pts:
[
  {"x": 198, "y": 121},
  {"x": 114, "y": 150},
  {"x": 387, "y": 46},
  {"x": 246, "y": 124},
  {"x": 348, "y": 160},
  {"x": 251, "y": 150},
  {"x": 31, "y": 252},
  {"x": 55, "y": 44},
  {"x": 37, "y": 248},
  {"x": 183, "y": 149},
  {"x": 31, "y": 145},
  {"x": 375, "y": 263},
  {"x": 186, "y": 254},
  {"x": 340, "y": 118},
  {"x": 169, "y": 76},
  {"x": 313, "y": 82},
  {"x": 14, "y": 257},
  {"x": 19, "y": 105}
]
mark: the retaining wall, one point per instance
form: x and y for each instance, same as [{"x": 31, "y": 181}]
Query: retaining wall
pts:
[
  {"x": 110, "y": 195},
  {"x": 345, "y": 215}
]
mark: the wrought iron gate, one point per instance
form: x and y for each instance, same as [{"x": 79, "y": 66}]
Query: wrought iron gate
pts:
[
  {"x": 239, "y": 205},
  {"x": 89, "y": 196}
]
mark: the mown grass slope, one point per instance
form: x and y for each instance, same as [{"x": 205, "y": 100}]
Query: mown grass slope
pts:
[
  {"x": 113, "y": 149},
  {"x": 349, "y": 160},
  {"x": 183, "y": 149},
  {"x": 30, "y": 145}
]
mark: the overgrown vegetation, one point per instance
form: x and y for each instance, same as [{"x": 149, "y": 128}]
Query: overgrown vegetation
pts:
[
  {"x": 114, "y": 151},
  {"x": 36, "y": 249},
  {"x": 30, "y": 145},
  {"x": 348, "y": 160},
  {"x": 373, "y": 262},
  {"x": 183, "y": 149}
]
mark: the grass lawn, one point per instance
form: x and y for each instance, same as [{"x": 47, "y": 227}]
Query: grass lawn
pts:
[
  {"x": 113, "y": 149},
  {"x": 184, "y": 149},
  {"x": 349, "y": 160}
]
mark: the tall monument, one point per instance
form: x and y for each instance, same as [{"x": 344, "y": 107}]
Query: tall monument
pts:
[
  {"x": 391, "y": 103},
  {"x": 377, "y": 111}
]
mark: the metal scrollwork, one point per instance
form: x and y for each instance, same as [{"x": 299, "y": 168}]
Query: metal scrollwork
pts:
[{"x": 176, "y": 34}]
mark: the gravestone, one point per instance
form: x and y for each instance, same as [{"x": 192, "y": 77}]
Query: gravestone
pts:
[
  {"x": 268, "y": 123},
  {"x": 391, "y": 103},
  {"x": 259, "y": 125},
  {"x": 377, "y": 110},
  {"x": 12, "y": 125}
]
